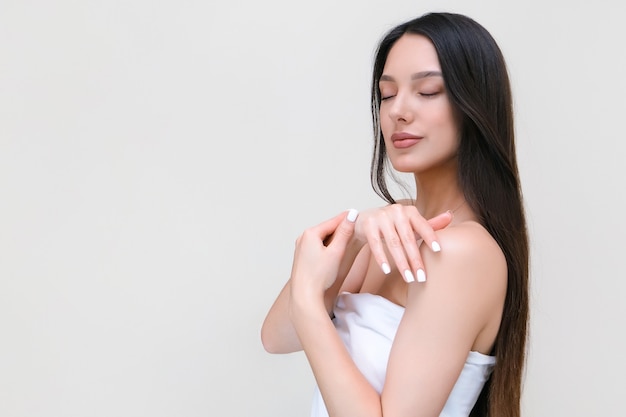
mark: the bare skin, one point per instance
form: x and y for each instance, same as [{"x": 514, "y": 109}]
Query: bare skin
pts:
[
  {"x": 278, "y": 334},
  {"x": 459, "y": 306}
]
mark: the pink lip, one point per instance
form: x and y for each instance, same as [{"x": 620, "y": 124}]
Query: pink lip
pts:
[{"x": 403, "y": 140}]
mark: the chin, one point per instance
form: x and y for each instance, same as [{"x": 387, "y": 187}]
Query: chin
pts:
[
  {"x": 405, "y": 168},
  {"x": 416, "y": 164},
  {"x": 405, "y": 165}
]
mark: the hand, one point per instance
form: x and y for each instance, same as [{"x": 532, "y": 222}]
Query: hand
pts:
[
  {"x": 316, "y": 264},
  {"x": 400, "y": 227}
]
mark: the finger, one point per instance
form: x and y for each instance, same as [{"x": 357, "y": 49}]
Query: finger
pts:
[
  {"x": 336, "y": 221},
  {"x": 425, "y": 229},
  {"x": 440, "y": 221},
  {"x": 410, "y": 246},
  {"x": 395, "y": 244},
  {"x": 343, "y": 233},
  {"x": 373, "y": 236},
  {"x": 325, "y": 229}
]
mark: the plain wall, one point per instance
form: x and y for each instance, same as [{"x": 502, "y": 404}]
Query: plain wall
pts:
[{"x": 158, "y": 160}]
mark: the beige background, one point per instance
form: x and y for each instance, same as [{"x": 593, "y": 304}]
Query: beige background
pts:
[{"x": 159, "y": 158}]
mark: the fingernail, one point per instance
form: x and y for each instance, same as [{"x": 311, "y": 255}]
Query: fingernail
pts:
[
  {"x": 421, "y": 275},
  {"x": 352, "y": 215},
  {"x": 436, "y": 247},
  {"x": 408, "y": 276},
  {"x": 386, "y": 268}
]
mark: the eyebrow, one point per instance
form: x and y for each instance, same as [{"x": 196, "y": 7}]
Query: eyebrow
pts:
[{"x": 416, "y": 76}]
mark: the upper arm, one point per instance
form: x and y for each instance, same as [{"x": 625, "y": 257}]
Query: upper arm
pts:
[{"x": 465, "y": 288}]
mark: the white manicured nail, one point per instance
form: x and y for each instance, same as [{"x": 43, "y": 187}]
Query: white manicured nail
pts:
[
  {"x": 421, "y": 275},
  {"x": 352, "y": 215},
  {"x": 408, "y": 276},
  {"x": 436, "y": 247},
  {"x": 386, "y": 268}
]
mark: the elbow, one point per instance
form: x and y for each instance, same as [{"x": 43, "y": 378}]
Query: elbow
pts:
[
  {"x": 268, "y": 341},
  {"x": 274, "y": 341}
]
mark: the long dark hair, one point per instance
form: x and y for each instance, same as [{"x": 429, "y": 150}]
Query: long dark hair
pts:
[{"x": 477, "y": 84}]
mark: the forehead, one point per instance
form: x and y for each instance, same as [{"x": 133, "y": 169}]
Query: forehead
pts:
[{"x": 411, "y": 53}]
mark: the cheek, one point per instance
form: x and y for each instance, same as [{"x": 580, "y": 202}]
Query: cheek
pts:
[{"x": 447, "y": 122}]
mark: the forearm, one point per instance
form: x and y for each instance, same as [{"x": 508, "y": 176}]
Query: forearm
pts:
[
  {"x": 345, "y": 390},
  {"x": 277, "y": 333}
]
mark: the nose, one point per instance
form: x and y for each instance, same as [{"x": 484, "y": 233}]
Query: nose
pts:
[{"x": 400, "y": 110}]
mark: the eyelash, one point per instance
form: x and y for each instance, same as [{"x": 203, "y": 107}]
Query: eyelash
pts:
[{"x": 427, "y": 95}]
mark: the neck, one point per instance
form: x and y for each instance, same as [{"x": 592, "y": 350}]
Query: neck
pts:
[{"x": 438, "y": 191}]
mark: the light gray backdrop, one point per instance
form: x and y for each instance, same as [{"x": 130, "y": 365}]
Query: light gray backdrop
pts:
[{"x": 159, "y": 158}]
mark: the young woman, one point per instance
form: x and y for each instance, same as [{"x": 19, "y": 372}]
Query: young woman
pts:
[{"x": 399, "y": 316}]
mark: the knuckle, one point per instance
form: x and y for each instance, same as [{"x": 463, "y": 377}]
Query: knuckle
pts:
[
  {"x": 375, "y": 243},
  {"x": 394, "y": 242},
  {"x": 372, "y": 236},
  {"x": 408, "y": 236},
  {"x": 346, "y": 230}
]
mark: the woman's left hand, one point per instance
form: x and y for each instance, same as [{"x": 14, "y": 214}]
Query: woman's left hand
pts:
[{"x": 315, "y": 264}]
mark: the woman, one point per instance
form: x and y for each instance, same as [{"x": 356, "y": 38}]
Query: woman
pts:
[{"x": 450, "y": 342}]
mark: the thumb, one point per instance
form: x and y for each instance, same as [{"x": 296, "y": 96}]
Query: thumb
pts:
[{"x": 344, "y": 231}]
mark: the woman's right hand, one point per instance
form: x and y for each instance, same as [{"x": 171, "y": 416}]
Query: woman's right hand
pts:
[{"x": 399, "y": 228}]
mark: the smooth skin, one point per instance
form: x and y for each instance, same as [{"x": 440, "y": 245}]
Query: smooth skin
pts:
[{"x": 456, "y": 310}]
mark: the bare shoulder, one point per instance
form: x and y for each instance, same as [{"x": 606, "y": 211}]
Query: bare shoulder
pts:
[
  {"x": 470, "y": 259},
  {"x": 458, "y": 309},
  {"x": 470, "y": 242}
]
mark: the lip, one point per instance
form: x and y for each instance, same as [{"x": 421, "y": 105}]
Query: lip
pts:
[{"x": 403, "y": 140}]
